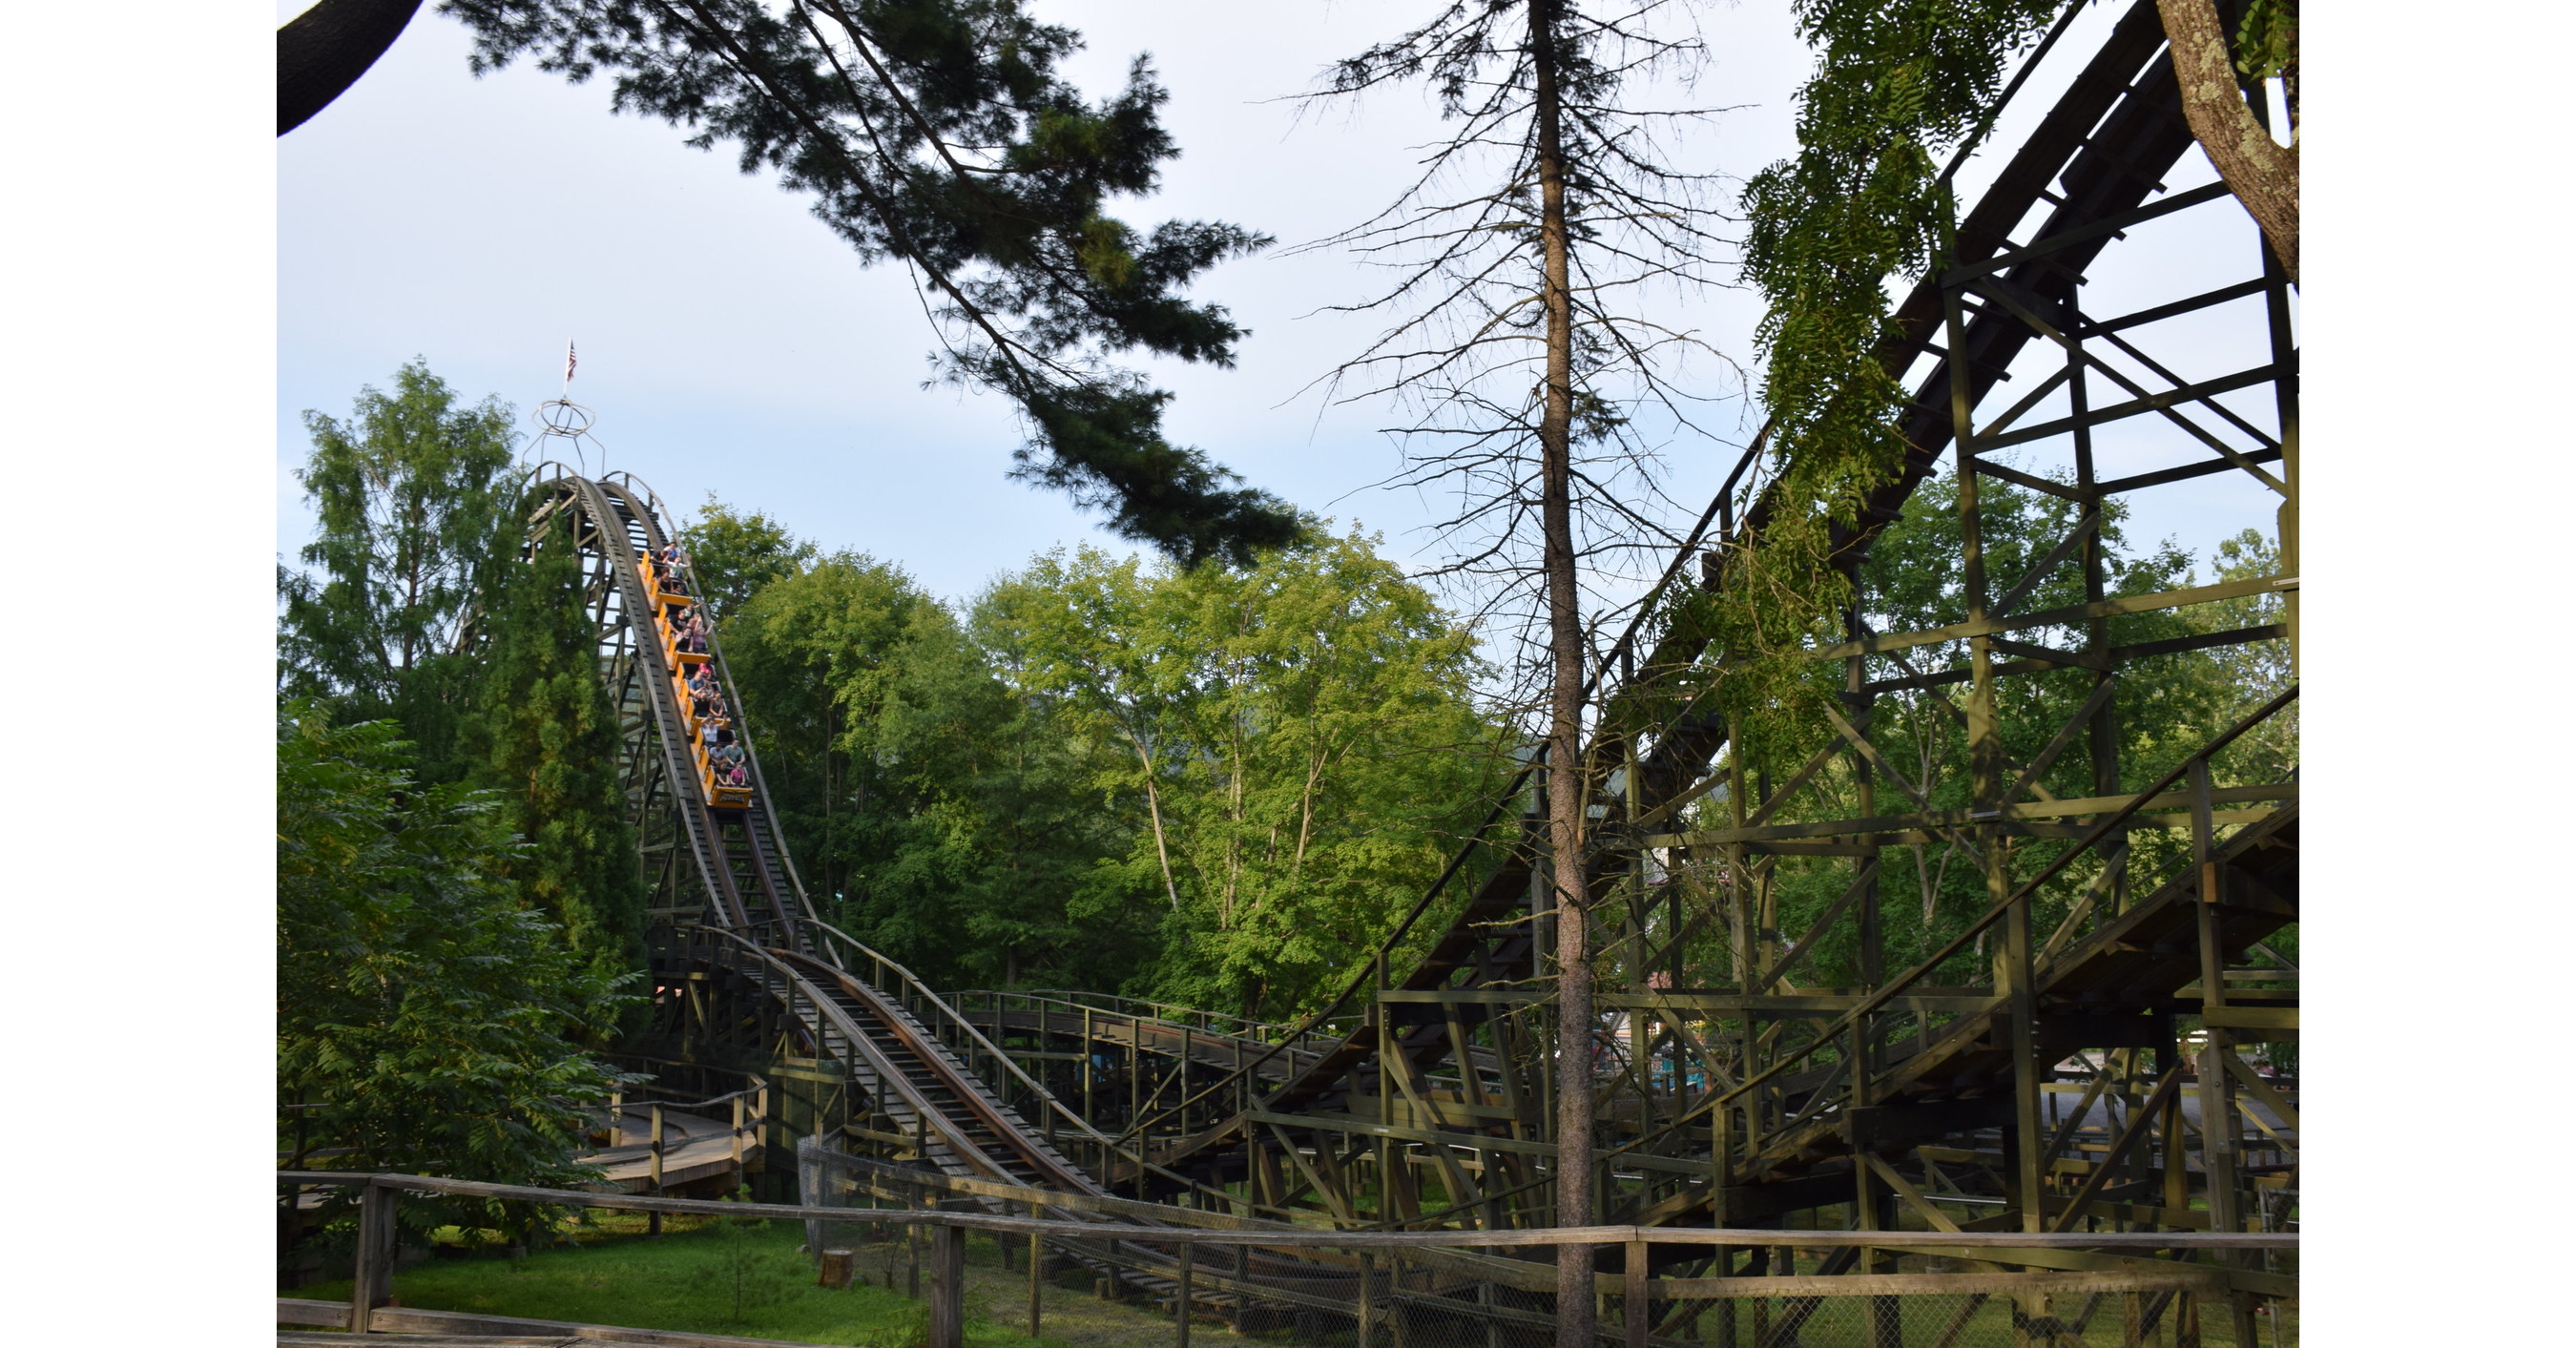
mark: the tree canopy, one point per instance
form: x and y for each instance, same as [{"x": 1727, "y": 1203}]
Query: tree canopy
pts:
[
  {"x": 1198, "y": 784},
  {"x": 428, "y": 1017},
  {"x": 941, "y": 135},
  {"x": 412, "y": 495}
]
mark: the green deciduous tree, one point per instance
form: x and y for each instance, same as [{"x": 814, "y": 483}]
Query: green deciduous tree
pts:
[
  {"x": 427, "y": 1015},
  {"x": 1300, "y": 736},
  {"x": 940, "y": 134},
  {"x": 733, "y": 554},
  {"x": 410, "y": 494},
  {"x": 934, "y": 810}
]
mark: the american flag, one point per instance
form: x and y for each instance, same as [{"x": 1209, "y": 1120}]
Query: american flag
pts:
[{"x": 569, "y": 360}]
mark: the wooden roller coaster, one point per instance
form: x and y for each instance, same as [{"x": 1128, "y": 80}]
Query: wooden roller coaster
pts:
[{"x": 2070, "y": 1059}]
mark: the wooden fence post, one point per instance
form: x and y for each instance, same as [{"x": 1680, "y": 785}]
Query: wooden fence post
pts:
[
  {"x": 653, "y": 1223},
  {"x": 371, "y": 1280},
  {"x": 1181, "y": 1299},
  {"x": 1037, "y": 1267},
  {"x": 947, "y": 1287},
  {"x": 1634, "y": 1313}
]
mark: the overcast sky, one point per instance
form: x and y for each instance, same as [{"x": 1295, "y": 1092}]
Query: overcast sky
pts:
[{"x": 730, "y": 344}]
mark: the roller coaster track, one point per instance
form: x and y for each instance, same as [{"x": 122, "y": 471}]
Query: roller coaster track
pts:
[
  {"x": 1447, "y": 1074},
  {"x": 726, "y": 896},
  {"x": 1798, "y": 1137},
  {"x": 733, "y": 942}
]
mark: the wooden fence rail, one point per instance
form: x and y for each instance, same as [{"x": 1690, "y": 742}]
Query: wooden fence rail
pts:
[{"x": 371, "y": 1283}]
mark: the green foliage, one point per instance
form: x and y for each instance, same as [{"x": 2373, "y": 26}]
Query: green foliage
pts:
[
  {"x": 410, "y": 494},
  {"x": 1300, "y": 738},
  {"x": 1860, "y": 203},
  {"x": 733, "y": 555},
  {"x": 425, "y": 1013},
  {"x": 2267, "y": 40},
  {"x": 548, "y": 739},
  {"x": 1207, "y": 784},
  {"x": 929, "y": 810},
  {"x": 2168, "y": 706},
  {"x": 940, "y": 134},
  {"x": 749, "y": 1275}
]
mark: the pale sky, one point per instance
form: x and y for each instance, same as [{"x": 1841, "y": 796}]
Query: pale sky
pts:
[{"x": 730, "y": 344}]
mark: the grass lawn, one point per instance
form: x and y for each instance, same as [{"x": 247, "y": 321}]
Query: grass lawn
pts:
[
  {"x": 750, "y": 1280},
  {"x": 709, "y": 1277}
]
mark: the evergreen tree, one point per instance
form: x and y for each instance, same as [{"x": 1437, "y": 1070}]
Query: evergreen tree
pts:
[
  {"x": 1524, "y": 333},
  {"x": 547, "y": 738}
]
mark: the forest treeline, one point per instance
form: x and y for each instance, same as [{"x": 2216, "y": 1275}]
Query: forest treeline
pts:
[{"x": 1219, "y": 786}]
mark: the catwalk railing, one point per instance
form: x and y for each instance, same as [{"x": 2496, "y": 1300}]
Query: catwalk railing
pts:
[{"x": 1385, "y": 1282}]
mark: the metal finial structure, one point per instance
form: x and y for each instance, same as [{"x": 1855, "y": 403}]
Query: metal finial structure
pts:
[{"x": 561, "y": 419}]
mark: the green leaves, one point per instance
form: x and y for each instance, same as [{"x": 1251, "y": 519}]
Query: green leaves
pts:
[
  {"x": 1858, "y": 205},
  {"x": 733, "y": 555},
  {"x": 1212, "y": 784},
  {"x": 937, "y": 133},
  {"x": 425, "y": 1014},
  {"x": 2267, "y": 39},
  {"x": 409, "y": 493},
  {"x": 1298, "y": 739},
  {"x": 546, "y": 737}
]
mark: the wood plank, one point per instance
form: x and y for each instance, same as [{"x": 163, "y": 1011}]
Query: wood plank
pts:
[
  {"x": 413, "y": 1320},
  {"x": 1225, "y": 1230},
  {"x": 2068, "y": 616},
  {"x": 2014, "y": 813},
  {"x": 1932, "y": 1284}
]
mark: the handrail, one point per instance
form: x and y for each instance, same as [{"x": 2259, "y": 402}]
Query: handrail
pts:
[
  {"x": 1312, "y": 1237},
  {"x": 930, "y": 1116},
  {"x": 1121, "y": 1003},
  {"x": 1136, "y": 1154},
  {"x": 1832, "y": 1034},
  {"x": 1063, "y": 998},
  {"x": 989, "y": 1046},
  {"x": 758, "y": 1085}
]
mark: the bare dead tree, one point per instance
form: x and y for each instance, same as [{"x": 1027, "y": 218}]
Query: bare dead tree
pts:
[{"x": 1540, "y": 256}]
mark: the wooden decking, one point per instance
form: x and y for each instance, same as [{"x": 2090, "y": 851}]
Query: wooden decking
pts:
[{"x": 695, "y": 1151}]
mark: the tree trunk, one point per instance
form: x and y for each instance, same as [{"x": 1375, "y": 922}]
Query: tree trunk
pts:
[
  {"x": 1574, "y": 1309},
  {"x": 1154, "y": 811},
  {"x": 2263, "y": 173},
  {"x": 322, "y": 51}
]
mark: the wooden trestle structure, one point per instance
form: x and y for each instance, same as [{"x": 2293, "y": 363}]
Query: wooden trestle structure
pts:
[{"x": 2069, "y": 1061}]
